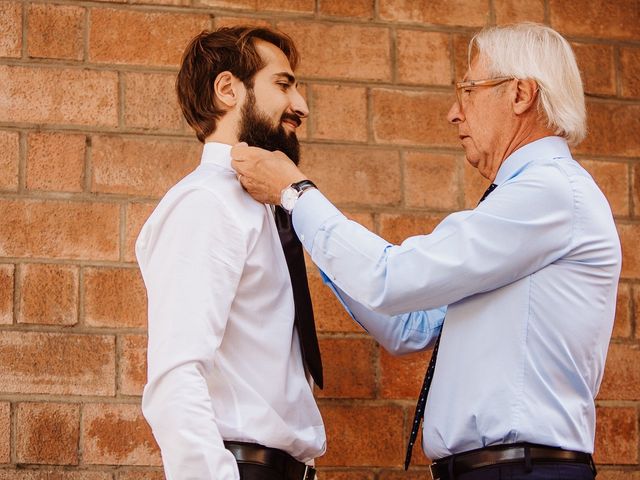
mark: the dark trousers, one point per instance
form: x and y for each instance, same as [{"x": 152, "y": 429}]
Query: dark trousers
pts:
[
  {"x": 249, "y": 471},
  {"x": 544, "y": 471}
]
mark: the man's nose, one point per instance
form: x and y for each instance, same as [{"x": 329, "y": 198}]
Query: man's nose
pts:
[
  {"x": 299, "y": 105},
  {"x": 455, "y": 114}
]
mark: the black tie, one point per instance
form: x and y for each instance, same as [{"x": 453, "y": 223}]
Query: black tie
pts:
[
  {"x": 304, "y": 322},
  {"x": 424, "y": 391}
]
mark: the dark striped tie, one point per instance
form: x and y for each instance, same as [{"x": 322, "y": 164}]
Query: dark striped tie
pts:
[{"x": 426, "y": 384}]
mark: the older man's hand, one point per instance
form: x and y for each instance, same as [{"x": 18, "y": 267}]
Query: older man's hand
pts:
[{"x": 262, "y": 173}]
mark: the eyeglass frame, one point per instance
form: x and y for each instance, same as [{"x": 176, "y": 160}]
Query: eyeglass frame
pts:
[{"x": 486, "y": 82}]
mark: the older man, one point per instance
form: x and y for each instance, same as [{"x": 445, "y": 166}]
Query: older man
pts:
[{"x": 527, "y": 280}]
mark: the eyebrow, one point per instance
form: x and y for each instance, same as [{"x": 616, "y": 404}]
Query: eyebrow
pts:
[{"x": 290, "y": 78}]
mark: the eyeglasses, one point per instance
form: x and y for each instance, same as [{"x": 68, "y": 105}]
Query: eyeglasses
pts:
[{"x": 466, "y": 87}]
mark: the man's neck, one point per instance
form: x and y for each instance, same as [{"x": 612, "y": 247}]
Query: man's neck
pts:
[{"x": 225, "y": 132}]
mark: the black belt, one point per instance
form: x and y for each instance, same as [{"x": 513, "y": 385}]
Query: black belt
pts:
[
  {"x": 282, "y": 462},
  {"x": 516, "y": 453}
]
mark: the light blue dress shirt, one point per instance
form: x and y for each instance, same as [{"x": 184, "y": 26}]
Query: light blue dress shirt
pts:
[{"x": 529, "y": 278}]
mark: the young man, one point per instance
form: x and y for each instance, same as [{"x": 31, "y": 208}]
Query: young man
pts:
[
  {"x": 232, "y": 342},
  {"x": 527, "y": 280}
]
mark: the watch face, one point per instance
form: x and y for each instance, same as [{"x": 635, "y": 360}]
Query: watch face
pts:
[{"x": 288, "y": 198}]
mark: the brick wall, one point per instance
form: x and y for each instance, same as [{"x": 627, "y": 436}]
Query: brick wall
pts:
[{"x": 91, "y": 137}]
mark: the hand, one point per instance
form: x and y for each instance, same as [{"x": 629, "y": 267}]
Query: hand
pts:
[{"x": 262, "y": 173}]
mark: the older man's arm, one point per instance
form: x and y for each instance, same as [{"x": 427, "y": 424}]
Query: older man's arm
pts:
[{"x": 398, "y": 334}]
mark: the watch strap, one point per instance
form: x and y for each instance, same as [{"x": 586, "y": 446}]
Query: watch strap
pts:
[{"x": 303, "y": 185}]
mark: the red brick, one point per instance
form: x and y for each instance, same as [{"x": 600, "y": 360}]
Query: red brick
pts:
[
  {"x": 133, "y": 364},
  {"x": 141, "y": 166},
  {"x": 353, "y": 8},
  {"x": 474, "y": 185},
  {"x": 423, "y": 57},
  {"x": 413, "y": 474},
  {"x": 419, "y": 118},
  {"x": 55, "y": 161},
  {"x": 339, "y": 113},
  {"x": 234, "y": 21},
  {"x": 5, "y": 432},
  {"x": 616, "y": 436},
  {"x": 303, "y": 6},
  {"x": 152, "y": 38},
  {"x": 9, "y": 152},
  {"x": 59, "y": 229},
  {"x": 613, "y": 130},
  {"x": 59, "y": 96},
  {"x": 613, "y": 180},
  {"x": 329, "y": 314},
  {"x": 636, "y": 309},
  {"x": 347, "y": 52},
  {"x": 22, "y": 474},
  {"x": 151, "y": 102},
  {"x": 620, "y": 381},
  {"x": 117, "y": 434},
  {"x": 48, "y": 433},
  {"x": 11, "y": 28},
  {"x": 460, "y": 55},
  {"x": 630, "y": 71},
  {"x": 350, "y": 364},
  {"x": 55, "y": 31},
  {"x": 630, "y": 239},
  {"x": 6, "y": 294},
  {"x": 57, "y": 364},
  {"x": 395, "y": 228},
  {"x": 345, "y": 475},
  {"x": 114, "y": 297},
  {"x": 597, "y": 67},
  {"x": 401, "y": 377},
  {"x": 605, "y": 18},
  {"x": 635, "y": 188},
  {"x": 514, "y": 11},
  {"x": 471, "y": 13},
  {"x": 362, "y": 435},
  {"x": 235, "y": 4},
  {"x": 622, "y": 325},
  {"x": 48, "y": 294},
  {"x": 334, "y": 169},
  {"x": 140, "y": 475},
  {"x": 163, "y": 2},
  {"x": 137, "y": 214},
  {"x": 609, "y": 474},
  {"x": 432, "y": 181}
]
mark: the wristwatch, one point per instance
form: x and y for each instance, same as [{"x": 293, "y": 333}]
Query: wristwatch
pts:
[{"x": 289, "y": 196}]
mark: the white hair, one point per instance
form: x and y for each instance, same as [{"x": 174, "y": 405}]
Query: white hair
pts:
[{"x": 531, "y": 50}]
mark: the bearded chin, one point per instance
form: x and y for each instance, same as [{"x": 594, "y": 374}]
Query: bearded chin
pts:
[{"x": 258, "y": 131}]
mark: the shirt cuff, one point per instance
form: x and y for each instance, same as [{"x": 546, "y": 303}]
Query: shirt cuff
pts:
[{"x": 311, "y": 211}]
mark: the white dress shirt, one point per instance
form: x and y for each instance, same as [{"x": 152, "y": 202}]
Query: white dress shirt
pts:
[
  {"x": 529, "y": 280},
  {"x": 224, "y": 359}
]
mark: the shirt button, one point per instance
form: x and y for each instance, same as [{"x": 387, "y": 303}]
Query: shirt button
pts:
[{"x": 302, "y": 238}]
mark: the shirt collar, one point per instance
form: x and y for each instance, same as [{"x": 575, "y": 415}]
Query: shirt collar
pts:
[
  {"x": 217, "y": 154},
  {"x": 544, "y": 149}
]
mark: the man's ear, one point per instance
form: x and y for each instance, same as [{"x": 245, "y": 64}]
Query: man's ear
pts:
[
  {"x": 227, "y": 89},
  {"x": 526, "y": 96}
]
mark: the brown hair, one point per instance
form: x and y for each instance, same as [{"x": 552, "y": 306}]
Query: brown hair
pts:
[{"x": 210, "y": 53}]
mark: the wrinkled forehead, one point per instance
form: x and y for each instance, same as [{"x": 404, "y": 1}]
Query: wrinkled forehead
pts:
[{"x": 478, "y": 68}]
